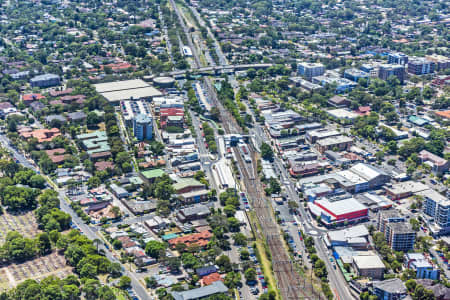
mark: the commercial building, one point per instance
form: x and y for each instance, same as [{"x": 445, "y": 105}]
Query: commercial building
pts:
[
  {"x": 397, "y": 58},
  {"x": 438, "y": 164},
  {"x": 361, "y": 177},
  {"x": 135, "y": 89},
  {"x": 441, "y": 62},
  {"x": 387, "y": 70},
  {"x": 338, "y": 211},
  {"x": 143, "y": 127},
  {"x": 354, "y": 74},
  {"x": 370, "y": 266},
  {"x": 423, "y": 266},
  {"x": 342, "y": 114},
  {"x": 194, "y": 212},
  {"x": 342, "y": 84},
  {"x": 340, "y": 142},
  {"x": 45, "y": 80},
  {"x": 437, "y": 206},
  {"x": 307, "y": 85},
  {"x": 404, "y": 189},
  {"x": 214, "y": 288},
  {"x": 349, "y": 236},
  {"x": 398, "y": 233},
  {"x": 201, "y": 97},
  {"x": 390, "y": 289},
  {"x": 171, "y": 117},
  {"x": 421, "y": 66},
  {"x": 310, "y": 70},
  {"x": 313, "y": 136},
  {"x": 371, "y": 69}
]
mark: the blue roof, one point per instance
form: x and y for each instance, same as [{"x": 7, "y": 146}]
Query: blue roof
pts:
[{"x": 205, "y": 270}]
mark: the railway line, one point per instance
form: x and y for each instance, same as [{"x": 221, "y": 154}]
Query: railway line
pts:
[{"x": 288, "y": 280}]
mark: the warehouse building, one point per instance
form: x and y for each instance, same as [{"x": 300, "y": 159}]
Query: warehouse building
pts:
[
  {"x": 135, "y": 89},
  {"x": 338, "y": 211}
]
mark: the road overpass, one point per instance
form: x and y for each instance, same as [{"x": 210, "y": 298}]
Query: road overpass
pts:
[{"x": 213, "y": 70}]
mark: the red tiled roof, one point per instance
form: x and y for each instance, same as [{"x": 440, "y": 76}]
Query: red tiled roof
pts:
[
  {"x": 42, "y": 135},
  {"x": 32, "y": 97},
  {"x": 213, "y": 277},
  {"x": 54, "y": 93},
  {"x": 103, "y": 165},
  {"x": 201, "y": 239}
]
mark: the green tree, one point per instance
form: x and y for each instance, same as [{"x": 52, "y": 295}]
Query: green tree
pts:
[
  {"x": 250, "y": 274},
  {"x": 124, "y": 282},
  {"x": 154, "y": 249},
  {"x": 266, "y": 151}
]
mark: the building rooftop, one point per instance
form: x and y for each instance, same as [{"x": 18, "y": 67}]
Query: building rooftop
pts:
[
  {"x": 341, "y": 207},
  {"x": 392, "y": 286},
  {"x": 341, "y": 113},
  {"x": 407, "y": 187},
  {"x": 401, "y": 227},
  {"x": 153, "y": 173},
  {"x": 368, "y": 262},
  {"x": 202, "y": 292}
]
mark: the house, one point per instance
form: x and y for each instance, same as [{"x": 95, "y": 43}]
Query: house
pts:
[
  {"x": 59, "y": 118},
  {"x": 57, "y": 155},
  {"x": 37, "y": 106},
  {"x": 6, "y": 108},
  {"x": 204, "y": 271},
  {"x": 77, "y": 116},
  {"x": 390, "y": 289},
  {"x": 201, "y": 239},
  {"x": 27, "y": 99},
  {"x": 209, "y": 279},
  {"x": 55, "y": 93},
  {"x": 363, "y": 110},
  {"x": 104, "y": 165}
]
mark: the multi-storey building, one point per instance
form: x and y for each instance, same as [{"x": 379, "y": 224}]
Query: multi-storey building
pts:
[
  {"x": 388, "y": 70},
  {"x": 437, "y": 206},
  {"x": 310, "y": 70},
  {"x": 398, "y": 233},
  {"x": 397, "y": 58},
  {"x": 143, "y": 127},
  {"x": 421, "y": 66}
]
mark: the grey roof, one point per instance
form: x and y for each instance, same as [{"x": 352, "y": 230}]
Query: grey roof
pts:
[
  {"x": 37, "y": 106},
  {"x": 55, "y": 117},
  {"x": 78, "y": 115},
  {"x": 392, "y": 286},
  {"x": 205, "y": 291},
  {"x": 44, "y": 77},
  {"x": 195, "y": 210}
]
